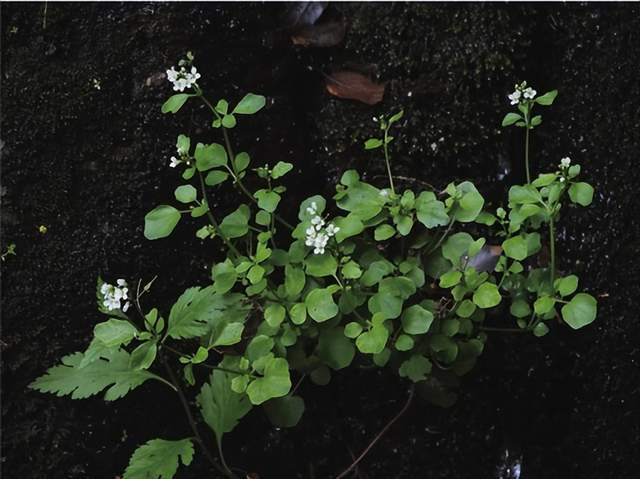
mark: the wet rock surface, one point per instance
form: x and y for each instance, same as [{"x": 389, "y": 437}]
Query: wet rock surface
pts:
[{"x": 90, "y": 163}]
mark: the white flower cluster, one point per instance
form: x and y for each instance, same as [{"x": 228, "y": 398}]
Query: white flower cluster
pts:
[
  {"x": 565, "y": 163},
  {"x": 182, "y": 79},
  {"x": 317, "y": 234},
  {"x": 522, "y": 92},
  {"x": 113, "y": 295},
  {"x": 176, "y": 161}
]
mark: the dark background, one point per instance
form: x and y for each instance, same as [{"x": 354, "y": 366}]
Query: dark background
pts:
[{"x": 89, "y": 164}]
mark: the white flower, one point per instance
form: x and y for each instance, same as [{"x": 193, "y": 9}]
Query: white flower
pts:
[
  {"x": 515, "y": 97},
  {"x": 113, "y": 295},
  {"x": 182, "y": 79},
  {"x": 312, "y": 209},
  {"x": 174, "y": 162},
  {"x": 562, "y": 179},
  {"x": 320, "y": 243},
  {"x": 331, "y": 229},
  {"x": 529, "y": 93},
  {"x": 317, "y": 222},
  {"x": 565, "y": 162}
]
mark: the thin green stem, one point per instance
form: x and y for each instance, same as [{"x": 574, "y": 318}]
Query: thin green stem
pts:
[
  {"x": 552, "y": 247},
  {"x": 444, "y": 235},
  {"x": 213, "y": 220},
  {"x": 234, "y": 173},
  {"x": 386, "y": 159},
  {"x": 526, "y": 152}
]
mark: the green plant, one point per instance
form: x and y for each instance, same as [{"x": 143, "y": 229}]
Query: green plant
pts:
[{"x": 408, "y": 280}]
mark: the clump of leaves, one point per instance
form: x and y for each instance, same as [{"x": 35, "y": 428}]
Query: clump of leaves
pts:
[{"x": 412, "y": 281}]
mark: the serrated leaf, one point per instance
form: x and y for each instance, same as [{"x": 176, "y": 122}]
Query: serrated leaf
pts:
[
  {"x": 159, "y": 459},
  {"x": 190, "y": 313},
  {"x": 82, "y": 382},
  {"x": 220, "y": 406}
]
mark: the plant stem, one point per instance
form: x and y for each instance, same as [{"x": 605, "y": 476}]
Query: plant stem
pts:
[
  {"x": 552, "y": 247},
  {"x": 526, "y": 153},
  {"x": 386, "y": 159},
  {"x": 444, "y": 235},
  {"x": 236, "y": 178},
  {"x": 192, "y": 422},
  {"x": 213, "y": 220},
  {"x": 378, "y": 436},
  {"x": 502, "y": 330}
]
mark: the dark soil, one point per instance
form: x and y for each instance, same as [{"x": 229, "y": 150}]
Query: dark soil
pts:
[{"x": 89, "y": 164}]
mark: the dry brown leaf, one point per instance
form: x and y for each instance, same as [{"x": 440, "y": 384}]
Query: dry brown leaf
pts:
[
  {"x": 325, "y": 34},
  {"x": 355, "y": 86}
]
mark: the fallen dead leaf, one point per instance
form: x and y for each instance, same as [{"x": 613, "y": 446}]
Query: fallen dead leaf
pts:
[
  {"x": 325, "y": 34},
  {"x": 355, "y": 86}
]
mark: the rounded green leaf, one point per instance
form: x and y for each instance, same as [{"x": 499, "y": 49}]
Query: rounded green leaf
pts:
[
  {"x": 581, "y": 193},
  {"x": 415, "y": 368},
  {"x": 276, "y": 382},
  {"x": 216, "y": 177},
  {"x": 384, "y": 232},
  {"x": 450, "y": 279},
  {"x": 320, "y": 305},
  {"x": 186, "y": 194},
  {"x": 580, "y": 311},
  {"x": 174, "y": 103},
  {"x": 335, "y": 349},
  {"x": 404, "y": 342},
  {"x": 210, "y": 156},
  {"x": 515, "y": 248},
  {"x": 285, "y": 411},
  {"x": 416, "y": 320},
  {"x": 160, "y": 222},
  {"x": 280, "y": 169},
  {"x": 274, "y": 315},
  {"x": 487, "y": 296},
  {"x": 250, "y": 104},
  {"x": 229, "y": 121},
  {"x": 567, "y": 285},
  {"x": 352, "y": 330}
]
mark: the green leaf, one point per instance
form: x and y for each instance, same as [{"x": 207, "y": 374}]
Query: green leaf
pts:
[
  {"x": 466, "y": 308},
  {"x": 520, "y": 308},
  {"x": 515, "y": 248},
  {"x": 566, "y": 286},
  {"x": 222, "y": 106},
  {"x": 580, "y": 311},
  {"x": 384, "y": 232},
  {"x": 320, "y": 265},
  {"x": 547, "y": 98},
  {"x": 349, "y": 226},
  {"x": 450, "y": 279},
  {"x": 259, "y": 347},
  {"x": 183, "y": 144},
  {"x": 540, "y": 330},
  {"x": 250, "y": 104},
  {"x": 225, "y": 333},
  {"x": 456, "y": 246},
  {"x": 372, "y": 144},
  {"x": 220, "y": 406},
  {"x": 581, "y": 193},
  {"x": 543, "y": 305},
  {"x": 363, "y": 200},
  {"x": 210, "y": 156},
  {"x": 216, "y": 177},
  {"x": 274, "y": 315},
  {"x": 523, "y": 195},
  {"x": 487, "y": 296},
  {"x": 415, "y": 368},
  {"x": 335, "y": 349},
  {"x": 275, "y": 382},
  {"x": 115, "y": 332},
  {"x": 267, "y": 199},
  {"x": 376, "y": 271},
  {"x": 159, "y": 459},
  {"x": 298, "y": 313},
  {"x": 404, "y": 343},
  {"x": 416, "y": 320},
  {"x": 186, "y": 194},
  {"x": 544, "y": 179},
  {"x": 294, "y": 280},
  {"x": 374, "y": 340},
  {"x": 352, "y": 330},
  {"x": 320, "y": 202},
  {"x": 229, "y": 121},
  {"x": 160, "y": 222},
  {"x": 320, "y": 305},
  {"x": 174, "y": 103},
  {"x": 190, "y": 313},
  {"x": 236, "y": 224},
  {"x": 430, "y": 211},
  {"x": 280, "y": 169},
  {"x": 389, "y": 306},
  {"x": 224, "y": 276},
  {"x": 143, "y": 356},
  {"x": 351, "y": 270},
  {"x": 285, "y": 411},
  {"x": 469, "y": 206},
  {"x": 81, "y": 382},
  {"x": 510, "y": 119}
]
